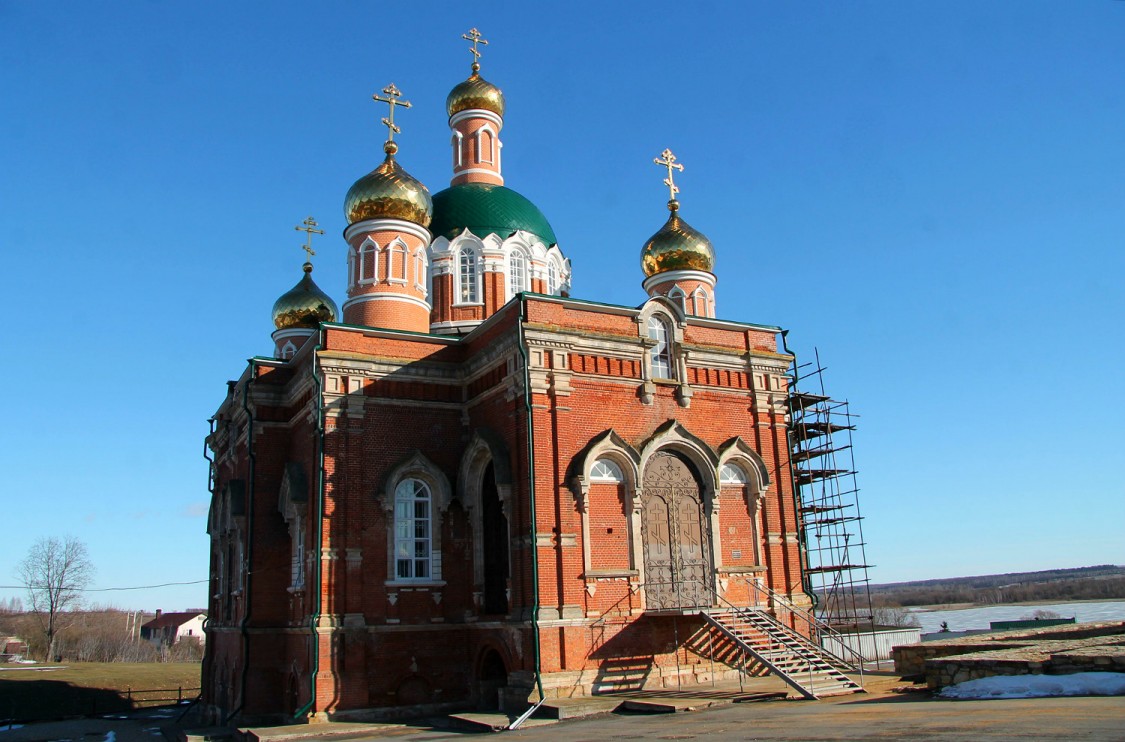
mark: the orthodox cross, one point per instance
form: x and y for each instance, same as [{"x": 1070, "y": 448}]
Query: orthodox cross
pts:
[
  {"x": 668, "y": 160},
  {"x": 474, "y": 36},
  {"x": 393, "y": 94},
  {"x": 309, "y": 229}
]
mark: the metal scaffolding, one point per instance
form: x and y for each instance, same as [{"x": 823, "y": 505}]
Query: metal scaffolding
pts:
[{"x": 820, "y": 438}]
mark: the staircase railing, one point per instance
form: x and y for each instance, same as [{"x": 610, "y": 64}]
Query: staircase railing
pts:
[
  {"x": 817, "y": 628},
  {"x": 815, "y": 648}
]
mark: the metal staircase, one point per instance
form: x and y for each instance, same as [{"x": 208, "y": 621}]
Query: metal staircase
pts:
[{"x": 803, "y": 665}]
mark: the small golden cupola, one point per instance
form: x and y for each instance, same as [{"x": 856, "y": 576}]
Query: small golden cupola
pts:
[
  {"x": 299, "y": 311},
  {"x": 476, "y": 116},
  {"x": 388, "y": 213},
  {"x": 679, "y": 261}
]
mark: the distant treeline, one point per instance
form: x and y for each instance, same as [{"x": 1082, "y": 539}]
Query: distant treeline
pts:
[{"x": 1104, "y": 582}]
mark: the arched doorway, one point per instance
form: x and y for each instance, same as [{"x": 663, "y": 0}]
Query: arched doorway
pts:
[
  {"x": 494, "y": 534},
  {"x": 492, "y": 677},
  {"x": 677, "y": 543}
]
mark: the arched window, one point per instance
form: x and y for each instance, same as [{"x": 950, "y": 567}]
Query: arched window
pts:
[
  {"x": 458, "y": 144},
  {"x": 517, "y": 272},
  {"x": 420, "y": 269},
  {"x": 732, "y": 474},
  {"x": 288, "y": 350},
  {"x": 485, "y": 144},
  {"x": 699, "y": 300},
  {"x": 606, "y": 470},
  {"x": 677, "y": 295},
  {"x": 396, "y": 262},
  {"x": 469, "y": 277},
  {"x": 368, "y": 263},
  {"x": 413, "y": 530},
  {"x": 660, "y": 356},
  {"x": 552, "y": 278}
]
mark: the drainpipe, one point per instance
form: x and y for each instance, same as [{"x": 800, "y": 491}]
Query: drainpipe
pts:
[
  {"x": 207, "y": 656},
  {"x": 315, "y": 619},
  {"x": 806, "y": 580},
  {"x": 248, "y": 557},
  {"x": 531, "y": 494}
]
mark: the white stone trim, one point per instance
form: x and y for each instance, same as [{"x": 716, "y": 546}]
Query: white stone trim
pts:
[
  {"x": 474, "y": 170},
  {"x": 476, "y": 113},
  {"x": 386, "y": 296},
  {"x": 666, "y": 276},
  {"x": 387, "y": 225}
]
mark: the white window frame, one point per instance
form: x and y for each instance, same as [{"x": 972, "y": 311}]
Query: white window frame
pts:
[
  {"x": 368, "y": 248},
  {"x": 474, "y": 276},
  {"x": 486, "y": 129},
  {"x": 397, "y": 247},
  {"x": 677, "y": 295},
  {"x": 518, "y": 280},
  {"x": 606, "y": 470},
  {"x": 661, "y": 362},
  {"x": 420, "y": 270},
  {"x": 733, "y": 475},
  {"x": 413, "y": 549}
]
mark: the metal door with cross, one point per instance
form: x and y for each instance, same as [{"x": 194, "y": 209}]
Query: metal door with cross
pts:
[{"x": 677, "y": 545}]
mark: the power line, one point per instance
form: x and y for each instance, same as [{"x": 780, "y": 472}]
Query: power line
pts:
[{"x": 103, "y": 589}]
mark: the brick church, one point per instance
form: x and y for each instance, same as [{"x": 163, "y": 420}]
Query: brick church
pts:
[{"x": 466, "y": 487}]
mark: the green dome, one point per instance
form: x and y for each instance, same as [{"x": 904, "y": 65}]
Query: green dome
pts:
[{"x": 486, "y": 209}]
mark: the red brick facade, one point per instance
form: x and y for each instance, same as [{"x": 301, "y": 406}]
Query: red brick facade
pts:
[{"x": 502, "y": 426}]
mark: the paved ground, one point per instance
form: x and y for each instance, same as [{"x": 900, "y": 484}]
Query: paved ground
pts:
[{"x": 879, "y": 715}]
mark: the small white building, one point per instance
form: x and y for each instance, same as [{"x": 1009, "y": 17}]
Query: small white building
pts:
[{"x": 169, "y": 628}]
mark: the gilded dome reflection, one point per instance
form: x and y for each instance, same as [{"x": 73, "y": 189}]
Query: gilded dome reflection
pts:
[
  {"x": 476, "y": 92},
  {"x": 388, "y": 192},
  {"x": 304, "y": 305},
  {"x": 677, "y": 246}
]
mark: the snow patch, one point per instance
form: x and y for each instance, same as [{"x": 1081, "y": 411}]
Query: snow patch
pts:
[
  {"x": 1039, "y": 686},
  {"x": 10, "y": 727}
]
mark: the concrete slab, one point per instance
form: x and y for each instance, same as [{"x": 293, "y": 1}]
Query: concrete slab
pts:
[
  {"x": 317, "y": 731},
  {"x": 493, "y": 721}
]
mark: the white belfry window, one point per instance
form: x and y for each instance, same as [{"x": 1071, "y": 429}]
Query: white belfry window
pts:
[
  {"x": 517, "y": 272},
  {"x": 396, "y": 262},
  {"x": 605, "y": 470},
  {"x": 660, "y": 356},
  {"x": 413, "y": 530},
  {"x": 467, "y": 269},
  {"x": 368, "y": 270}
]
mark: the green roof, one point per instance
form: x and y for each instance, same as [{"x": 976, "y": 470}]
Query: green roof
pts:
[{"x": 486, "y": 209}]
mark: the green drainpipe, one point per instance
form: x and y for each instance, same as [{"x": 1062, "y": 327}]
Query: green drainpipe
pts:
[
  {"x": 319, "y": 526},
  {"x": 806, "y": 581},
  {"x": 531, "y": 493}
]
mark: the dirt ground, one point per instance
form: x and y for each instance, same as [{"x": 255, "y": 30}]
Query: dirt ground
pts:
[{"x": 880, "y": 714}]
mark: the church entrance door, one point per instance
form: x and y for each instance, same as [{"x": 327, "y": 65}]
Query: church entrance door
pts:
[
  {"x": 495, "y": 546},
  {"x": 677, "y": 551}
]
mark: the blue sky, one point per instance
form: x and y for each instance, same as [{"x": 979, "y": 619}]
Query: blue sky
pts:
[{"x": 932, "y": 194}]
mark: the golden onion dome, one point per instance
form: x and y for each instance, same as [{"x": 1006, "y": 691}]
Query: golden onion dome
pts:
[
  {"x": 677, "y": 246},
  {"x": 304, "y": 305},
  {"x": 388, "y": 192},
  {"x": 476, "y": 92}
]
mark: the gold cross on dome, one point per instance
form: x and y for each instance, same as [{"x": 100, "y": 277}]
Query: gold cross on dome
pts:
[
  {"x": 474, "y": 36},
  {"x": 393, "y": 94},
  {"x": 668, "y": 160},
  {"x": 309, "y": 229}
]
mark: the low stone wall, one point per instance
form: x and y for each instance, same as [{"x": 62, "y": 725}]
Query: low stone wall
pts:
[{"x": 1054, "y": 650}]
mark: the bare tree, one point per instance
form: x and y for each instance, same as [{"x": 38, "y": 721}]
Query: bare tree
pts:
[{"x": 54, "y": 573}]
